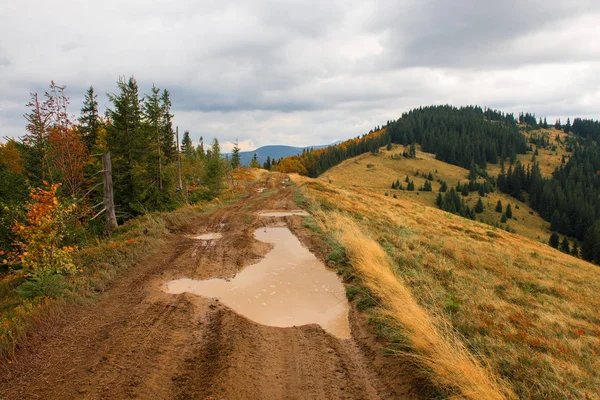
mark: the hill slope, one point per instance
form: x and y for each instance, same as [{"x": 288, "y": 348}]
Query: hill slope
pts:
[
  {"x": 376, "y": 172},
  {"x": 528, "y": 310}
]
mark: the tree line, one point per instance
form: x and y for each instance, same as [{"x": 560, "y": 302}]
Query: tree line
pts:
[{"x": 54, "y": 167}]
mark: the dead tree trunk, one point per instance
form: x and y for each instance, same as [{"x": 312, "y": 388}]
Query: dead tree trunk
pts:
[
  {"x": 109, "y": 205},
  {"x": 180, "y": 187}
]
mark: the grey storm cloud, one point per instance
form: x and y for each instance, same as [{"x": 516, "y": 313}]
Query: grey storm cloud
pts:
[{"x": 304, "y": 72}]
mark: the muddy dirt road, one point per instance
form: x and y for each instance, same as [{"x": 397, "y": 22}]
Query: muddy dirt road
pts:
[{"x": 140, "y": 342}]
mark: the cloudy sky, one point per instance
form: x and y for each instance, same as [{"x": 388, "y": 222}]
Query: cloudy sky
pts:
[{"x": 304, "y": 72}]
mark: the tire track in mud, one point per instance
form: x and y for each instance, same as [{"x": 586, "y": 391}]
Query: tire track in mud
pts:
[{"x": 139, "y": 342}]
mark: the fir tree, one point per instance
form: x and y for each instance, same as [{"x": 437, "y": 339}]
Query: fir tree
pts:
[
  {"x": 554, "y": 240},
  {"x": 235, "y": 155},
  {"x": 90, "y": 119},
  {"x": 215, "y": 170},
  {"x": 443, "y": 187},
  {"x": 479, "y": 207},
  {"x": 267, "y": 164},
  {"x": 499, "y": 206},
  {"x": 564, "y": 246},
  {"x": 411, "y": 186},
  {"x": 509, "y": 213},
  {"x": 187, "y": 146},
  {"x": 254, "y": 163},
  {"x": 167, "y": 136}
]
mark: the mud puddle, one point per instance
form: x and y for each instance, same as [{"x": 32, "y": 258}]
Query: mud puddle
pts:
[
  {"x": 301, "y": 213},
  {"x": 289, "y": 287},
  {"x": 207, "y": 236}
]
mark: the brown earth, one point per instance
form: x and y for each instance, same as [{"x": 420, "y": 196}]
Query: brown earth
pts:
[{"x": 140, "y": 342}]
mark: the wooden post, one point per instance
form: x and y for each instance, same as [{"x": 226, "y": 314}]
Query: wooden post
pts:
[
  {"x": 109, "y": 205},
  {"x": 180, "y": 187}
]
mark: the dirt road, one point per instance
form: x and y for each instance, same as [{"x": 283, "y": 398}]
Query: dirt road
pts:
[{"x": 140, "y": 342}]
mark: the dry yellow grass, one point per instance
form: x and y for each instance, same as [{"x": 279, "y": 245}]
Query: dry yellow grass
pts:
[
  {"x": 383, "y": 170},
  {"x": 547, "y": 159},
  {"x": 530, "y": 311},
  {"x": 452, "y": 366}
]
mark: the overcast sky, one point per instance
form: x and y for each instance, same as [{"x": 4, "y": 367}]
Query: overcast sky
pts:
[{"x": 304, "y": 72}]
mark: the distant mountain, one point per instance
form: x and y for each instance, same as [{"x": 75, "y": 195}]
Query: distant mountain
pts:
[{"x": 275, "y": 152}]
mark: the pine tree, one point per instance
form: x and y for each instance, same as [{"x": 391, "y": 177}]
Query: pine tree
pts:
[
  {"x": 443, "y": 187},
  {"x": 439, "y": 199},
  {"x": 128, "y": 146},
  {"x": 254, "y": 163},
  {"x": 90, "y": 119},
  {"x": 564, "y": 246},
  {"x": 187, "y": 146},
  {"x": 411, "y": 186},
  {"x": 509, "y": 213},
  {"x": 499, "y": 206},
  {"x": 465, "y": 190},
  {"x": 479, "y": 207},
  {"x": 554, "y": 240},
  {"x": 215, "y": 170},
  {"x": 152, "y": 116},
  {"x": 413, "y": 150},
  {"x": 235, "y": 155},
  {"x": 169, "y": 149},
  {"x": 267, "y": 164},
  {"x": 503, "y": 219},
  {"x": 568, "y": 126},
  {"x": 575, "y": 250}
]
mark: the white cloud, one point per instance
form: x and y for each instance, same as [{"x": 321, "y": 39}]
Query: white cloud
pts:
[{"x": 304, "y": 72}]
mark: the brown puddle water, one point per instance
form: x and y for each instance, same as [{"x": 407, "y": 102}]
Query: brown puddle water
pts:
[
  {"x": 207, "y": 236},
  {"x": 288, "y": 287},
  {"x": 301, "y": 213}
]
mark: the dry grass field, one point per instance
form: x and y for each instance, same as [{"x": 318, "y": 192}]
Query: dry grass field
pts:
[
  {"x": 376, "y": 173},
  {"x": 526, "y": 314}
]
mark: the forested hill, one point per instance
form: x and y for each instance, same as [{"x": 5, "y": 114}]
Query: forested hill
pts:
[
  {"x": 458, "y": 136},
  {"x": 569, "y": 199}
]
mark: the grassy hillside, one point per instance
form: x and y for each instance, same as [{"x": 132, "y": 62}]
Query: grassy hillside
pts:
[
  {"x": 437, "y": 281},
  {"x": 376, "y": 172},
  {"x": 548, "y": 159}
]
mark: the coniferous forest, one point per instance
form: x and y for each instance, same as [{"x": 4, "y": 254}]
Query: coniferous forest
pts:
[
  {"x": 51, "y": 177},
  {"x": 471, "y": 137}
]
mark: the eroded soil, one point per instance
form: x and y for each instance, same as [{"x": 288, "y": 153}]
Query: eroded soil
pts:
[{"x": 139, "y": 342}]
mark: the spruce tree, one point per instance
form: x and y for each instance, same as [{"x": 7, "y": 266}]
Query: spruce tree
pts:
[
  {"x": 235, "y": 155},
  {"x": 554, "y": 240},
  {"x": 128, "y": 147},
  {"x": 509, "y": 213},
  {"x": 479, "y": 207},
  {"x": 438, "y": 200},
  {"x": 267, "y": 164},
  {"x": 503, "y": 218},
  {"x": 254, "y": 163},
  {"x": 215, "y": 170},
  {"x": 169, "y": 149},
  {"x": 411, "y": 186},
  {"x": 90, "y": 119},
  {"x": 187, "y": 146},
  {"x": 499, "y": 206},
  {"x": 564, "y": 246}
]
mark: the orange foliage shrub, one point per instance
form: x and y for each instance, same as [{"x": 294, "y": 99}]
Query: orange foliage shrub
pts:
[{"x": 37, "y": 249}]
